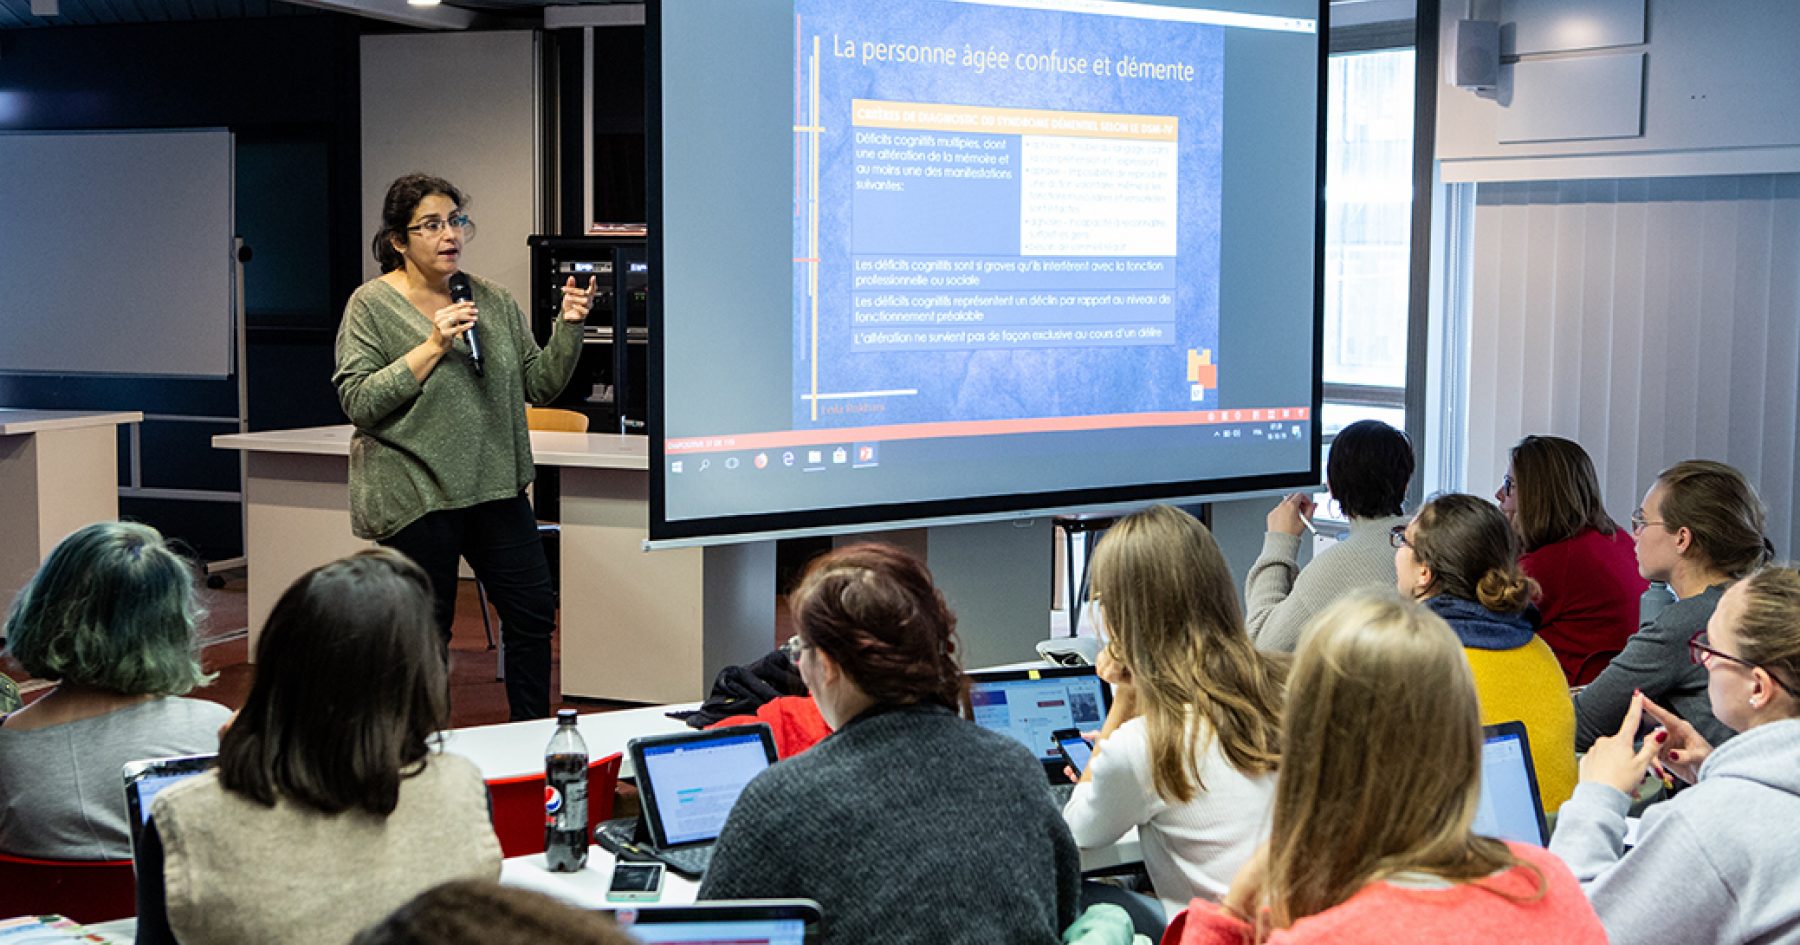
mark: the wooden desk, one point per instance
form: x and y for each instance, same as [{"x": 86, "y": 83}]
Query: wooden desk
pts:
[
  {"x": 59, "y": 471},
  {"x": 651, "y": 627}
]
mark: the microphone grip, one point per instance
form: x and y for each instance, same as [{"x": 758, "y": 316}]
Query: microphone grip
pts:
[{"x": 461, "y": 291}]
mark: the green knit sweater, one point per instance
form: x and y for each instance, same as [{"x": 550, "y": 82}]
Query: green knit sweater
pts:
[{"x": 454, "y": 440}]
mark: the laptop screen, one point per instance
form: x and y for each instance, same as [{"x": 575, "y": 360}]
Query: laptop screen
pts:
[
  {"x": 1032, "y": 710},
  {"x": 726, "y": 922},
  {"x": 1509, "y": 798},
  {"x": 150, "y": 777},
  {"x": 742, "y": 932},
  {"x": 694, "y": 782}
]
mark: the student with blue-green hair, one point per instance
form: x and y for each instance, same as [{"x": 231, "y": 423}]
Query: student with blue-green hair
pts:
[{"x": 110, "y": 617}]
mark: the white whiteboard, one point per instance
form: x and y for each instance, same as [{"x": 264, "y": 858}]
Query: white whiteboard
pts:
[{"x": 116, "y": 253}]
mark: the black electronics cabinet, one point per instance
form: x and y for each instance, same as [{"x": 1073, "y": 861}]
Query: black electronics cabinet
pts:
[{"x": 610, "y": 380}]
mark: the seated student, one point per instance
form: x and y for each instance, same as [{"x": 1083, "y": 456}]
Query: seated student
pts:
[
  {"x": 1380, "y": 782},
  {"x": 1188, "y": 753},
  {"x": 907, "y": 823},
  {"x": 1585, "y": 565},
  {"x": 1712, "y": 864},
  {"x": 110, "y": 616},
  {"x": 472, "y": 912},
  {"x": 1367, "y": 472},
  {"x": 329, "y": 807},
  {"x": 1460, "y": 557},
  {"x": 1700, "y": 527}
]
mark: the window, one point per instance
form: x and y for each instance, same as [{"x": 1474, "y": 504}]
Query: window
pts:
[{"x": 1368, "y": 237}]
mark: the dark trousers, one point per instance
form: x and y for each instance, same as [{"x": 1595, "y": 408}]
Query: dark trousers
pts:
[{"x": 500, "y": 540}]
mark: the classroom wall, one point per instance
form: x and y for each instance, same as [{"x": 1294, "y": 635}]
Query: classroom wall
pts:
[
  {"x": 287, "y": 89},
  {"x": 1639, "y": 295},
  {"x": 1716, "y": 90}
]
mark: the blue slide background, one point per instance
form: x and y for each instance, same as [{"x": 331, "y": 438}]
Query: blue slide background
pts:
[{"x": 1010, "y": 382}]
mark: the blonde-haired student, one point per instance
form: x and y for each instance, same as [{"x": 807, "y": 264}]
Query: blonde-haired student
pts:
[{"x": 1372, "y": 838}]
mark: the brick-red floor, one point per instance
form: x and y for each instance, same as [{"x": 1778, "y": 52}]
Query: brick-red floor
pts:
[{"x": 476, "y": 697}]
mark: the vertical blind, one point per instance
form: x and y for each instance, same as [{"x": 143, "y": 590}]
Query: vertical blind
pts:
[{"x": 1649, "y": 320}]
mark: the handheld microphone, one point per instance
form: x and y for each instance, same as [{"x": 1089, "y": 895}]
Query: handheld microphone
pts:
[{"x": 461, "y": 291}]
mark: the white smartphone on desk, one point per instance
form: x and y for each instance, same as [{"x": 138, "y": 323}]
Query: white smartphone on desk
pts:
[{"x": 635, "y": 882}]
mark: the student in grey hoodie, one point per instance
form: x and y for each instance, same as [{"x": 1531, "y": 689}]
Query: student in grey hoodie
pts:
[{"x": 1714, "y": 864}]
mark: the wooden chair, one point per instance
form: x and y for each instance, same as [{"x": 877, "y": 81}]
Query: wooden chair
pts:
[
  {"x": 87, "y": 891},
  {"x": 556, "y": 420},
  {"x": 518, "y": 805}
]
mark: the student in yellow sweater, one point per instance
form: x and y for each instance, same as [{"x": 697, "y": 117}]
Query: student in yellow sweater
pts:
[{"x": 1460, "y": 557}]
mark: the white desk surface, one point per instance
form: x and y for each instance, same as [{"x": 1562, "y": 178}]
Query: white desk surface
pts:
[
  {"x": 511, "y": 749},
  {"x": 515, "y": 748},
  {"x": 588, "y": 450},
  {"x": 18, "y": 422},
  {"x": 587, "y": 888}
]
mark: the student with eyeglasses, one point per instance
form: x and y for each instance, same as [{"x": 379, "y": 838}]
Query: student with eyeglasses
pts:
[
  {"x": 1714, "y": 863},
  {"x": 441, "y": 455},
  {"x": 1459, "y": 557},
  {"x": 1700, "y": 527},
  {"x": 1584, "y": 563}
]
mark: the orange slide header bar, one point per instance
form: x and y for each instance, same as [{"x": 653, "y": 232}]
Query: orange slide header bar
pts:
[
  {"x": 924, "y": 116},
  {"x": 923, "y": 431}
]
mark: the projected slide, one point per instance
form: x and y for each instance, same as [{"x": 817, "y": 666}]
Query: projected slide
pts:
[{"x": 1004, "y": 214}]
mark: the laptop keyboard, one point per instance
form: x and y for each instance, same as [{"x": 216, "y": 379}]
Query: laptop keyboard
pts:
[{"x": 688, "y": 861}]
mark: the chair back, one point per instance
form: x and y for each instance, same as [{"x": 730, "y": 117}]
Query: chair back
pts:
[
  {"x": 518, "y": 805},
  {"x": 87, "y": 891},
  {"x": 556, "y": 420}
]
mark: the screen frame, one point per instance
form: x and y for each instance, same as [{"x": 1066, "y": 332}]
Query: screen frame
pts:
[
  {"x": 722, "y": 529},
  {"x": 646, "y": 783},
  {"x": 1515, "y": 730}
]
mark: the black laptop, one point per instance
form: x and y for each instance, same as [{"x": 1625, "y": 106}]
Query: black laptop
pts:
[
  {"x": 1510, "y": 809},
  {"x": 1031, "y": 705},
  {"x": 725, "y": 922},
  {"x": 688, "y": 782}
]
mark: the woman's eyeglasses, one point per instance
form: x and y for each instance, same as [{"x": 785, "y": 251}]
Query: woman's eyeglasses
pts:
[
  {"x": 435, "y": 227},
  {"x": 1397, "y": 536},
  {"x": 794, "y": 647},
  {"x": 1639, "y": 523},
  {"x": 1700, "y": 651}
]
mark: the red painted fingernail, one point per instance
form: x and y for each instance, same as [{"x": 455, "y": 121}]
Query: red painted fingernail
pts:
[
  {"x": 1674, "y": 756},
  {"x": 1662, "y": 736}
]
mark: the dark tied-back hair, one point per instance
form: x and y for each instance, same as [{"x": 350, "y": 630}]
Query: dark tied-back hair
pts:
[
  {"x": 481, "y": 912},
  {"x": 1368, "y": 469},
  {"x": 403, "y": 198},
  {"x": 350, "y": 686},
  {"x": 873, "y": 609},
  {"x": 1556, "y": 493},
  {"x": 1472, "y": 553}
]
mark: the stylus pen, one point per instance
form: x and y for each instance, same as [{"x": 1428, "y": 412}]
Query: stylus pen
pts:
[{"x": 1307, "y": 523}]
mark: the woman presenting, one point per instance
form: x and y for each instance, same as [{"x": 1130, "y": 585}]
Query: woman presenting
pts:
[{"x": 441, "y": 455}]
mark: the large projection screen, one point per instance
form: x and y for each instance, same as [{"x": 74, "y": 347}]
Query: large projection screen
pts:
[
  {"x": 944, "y": 259},
  {"x": 117, "y": 254}
]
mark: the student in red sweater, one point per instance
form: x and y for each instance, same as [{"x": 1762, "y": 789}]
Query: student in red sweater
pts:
[
  {"x": 1380, "y": 781},
  {"x": 1585, "y": 564}
]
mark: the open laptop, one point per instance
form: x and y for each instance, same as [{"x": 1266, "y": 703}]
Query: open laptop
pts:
[
  {"x": 726, "y": 922},
  {"x": 1509, "y": 809},
  {"x": 1030, "y": 705},
  {"x": 688, "y": 782},
  {"x": 147, "y": 778}
]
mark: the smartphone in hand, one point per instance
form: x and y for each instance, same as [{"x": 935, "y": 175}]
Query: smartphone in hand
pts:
[{"x": 1075, "y": 749}]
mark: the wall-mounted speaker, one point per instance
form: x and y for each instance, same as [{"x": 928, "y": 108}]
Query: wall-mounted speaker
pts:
[{"x": 1476, "y": 63}]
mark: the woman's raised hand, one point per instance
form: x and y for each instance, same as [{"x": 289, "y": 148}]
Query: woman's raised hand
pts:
[{"x": 576, "y": 301}]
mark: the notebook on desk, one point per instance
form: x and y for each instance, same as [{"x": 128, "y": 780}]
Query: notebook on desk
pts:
[
  {"x": 148, "y": 778},
  {"x": 688, "y": 782},
  {"x": 743, "y": 922},
  {"x": 1031, "y": 705},
  {"x": 1509, "y": 809}
]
